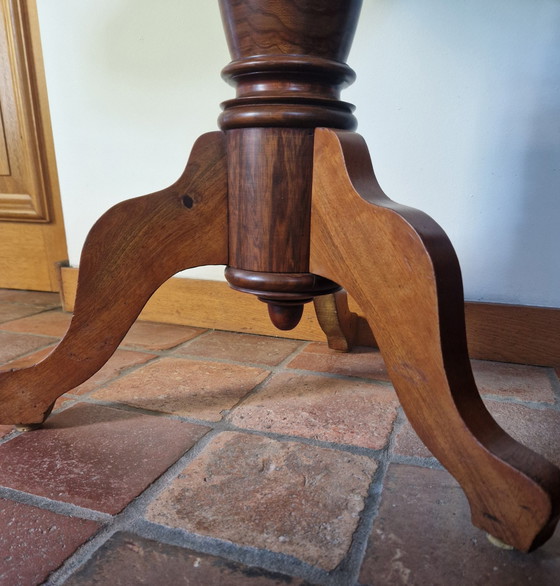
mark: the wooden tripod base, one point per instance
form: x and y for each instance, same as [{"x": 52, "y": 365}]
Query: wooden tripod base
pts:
[{"x": 395, "y": 262}]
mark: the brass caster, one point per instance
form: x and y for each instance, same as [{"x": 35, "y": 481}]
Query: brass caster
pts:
[
  {"x": 498, "y": 543},
  {"x": 28, "y": 426}
]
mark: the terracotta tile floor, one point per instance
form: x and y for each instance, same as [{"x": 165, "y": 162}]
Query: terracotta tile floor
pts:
[{"x": 201, "y": 457}]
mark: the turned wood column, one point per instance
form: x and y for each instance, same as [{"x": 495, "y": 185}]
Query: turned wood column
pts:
[{"x": 288, "y": 68}]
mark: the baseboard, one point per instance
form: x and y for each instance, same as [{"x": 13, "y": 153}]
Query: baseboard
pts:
[{"x": 507, "y": 333}]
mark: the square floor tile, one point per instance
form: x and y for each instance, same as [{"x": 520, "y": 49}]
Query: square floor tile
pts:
[
  {"x": 538, "y": 429},
  {"x": 407, "y": 443},
  {"x": 519, "y": 381},
  {"x": 121, "y": 361},
  {"x": 94, "y": 456},
  {"x": 14, "y": 345},
  {"x": 156, "y": 336},
  {"x": 423, "y": 535},
  {"x": 360, "y": 361},
  {"x": 322, "y": 408},
  {"x": 39, "y": 299},
  {"x": 241, "y": 348},
  {"x": 29, "y": 359},
  {"x": 190, "y": 388},
  {"x": 49, "y": 323},
  {"x": 18, "y": 304},
  {"x": 290, "y": 498},
  {"x": 35, "y": 542},
  {"x": 127, "y": 559},
  {"x": 15, "y": 311}
]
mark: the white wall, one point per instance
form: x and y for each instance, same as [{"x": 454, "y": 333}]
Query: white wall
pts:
[{"x": 459, "y": 102}]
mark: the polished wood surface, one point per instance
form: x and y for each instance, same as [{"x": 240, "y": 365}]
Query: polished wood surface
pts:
[
  {"x": 290, "y": 27},
  {"x": 142, "y": 241},
  {"x": 269, "y": 201},
  {"x": 338, "y": 323},
  {"x": 288, "y": 69},
  {"x": 288, "y": 63},
  {"x": 269, "y": 198},
  {"x": 400, "y": 267},
  {"x": 514, "y": 333}
]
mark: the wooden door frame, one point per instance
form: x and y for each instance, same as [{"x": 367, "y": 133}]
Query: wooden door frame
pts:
[{"x": 32, "y": 237}]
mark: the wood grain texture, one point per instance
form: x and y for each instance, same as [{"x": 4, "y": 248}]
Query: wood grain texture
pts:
[
  {"x": 288, "y": 63},
  {"x": 269, "y": 201},
  {"x": 24, "y": 262},
  {"x": 4, "y": 159},
  {"x": 336, "y": 320},
  {"x": 129, "y": 253},
  {"x": 514, "y": 333},
  {"x": 290, "y": 27},
  {"x": 269, "y": 198},
  {"x": 24, "y": 182},
  {"x": 401, "y": 269}
]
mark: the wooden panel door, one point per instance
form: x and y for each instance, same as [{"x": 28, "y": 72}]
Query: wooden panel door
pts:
[{"x": 32, "y": 236}]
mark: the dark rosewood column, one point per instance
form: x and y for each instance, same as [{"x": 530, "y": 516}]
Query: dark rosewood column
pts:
[{"x": 288, "y": 68}]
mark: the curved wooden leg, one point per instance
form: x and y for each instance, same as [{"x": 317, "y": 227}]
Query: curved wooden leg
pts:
[
  {"x": 129, "y": 253},
  {"x": 336, "y": 320},
  {"x": 401, "y": 269}
]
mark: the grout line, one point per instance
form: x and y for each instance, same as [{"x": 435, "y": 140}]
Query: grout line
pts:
[
  {"x": 299, "y": 350},
  {"x": 81, "y": 555},
  {"x": 410, "y": 460},
  {"x": 47, "y": 310},
  {"x": 273, "y": 371},
  {"x": 186, "y": 343},
  {"x": 418, "y": 461},
  {"x": 228, "y": 361},
  {"x": 54, "y": 506},
  {"x": 349, "y": 569},
  {"x": 254, "y": 391},
  {"x": 142, "y": 411},
  {"x": 120, "y": 374},
  {"x": 140, "y": 504},
  {"x": 247, "y": 555},
  {"x": 351, "y": 565},
  {"x": 158, "y": 354},
  {"x": 347, "y": 448},
  {"x": 53, "y": 337},
  {"x": 10, "y": 436},
  {"x": 24, "y": 306},
  {"x": 262, "y": 335}
]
